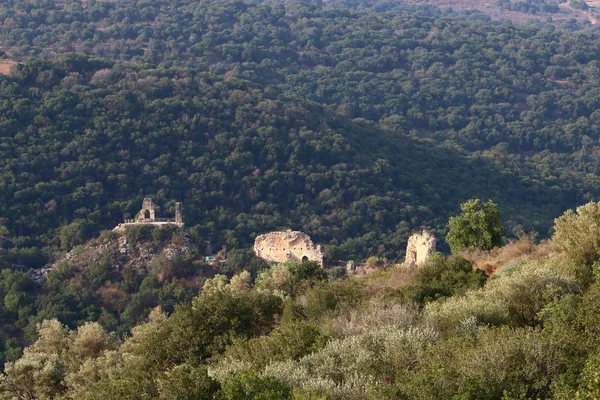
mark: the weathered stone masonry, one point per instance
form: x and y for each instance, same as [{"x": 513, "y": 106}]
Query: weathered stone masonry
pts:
[
  {"x": 147, "y": 215},
  {"x": 420, "y": 246},
  {"x": 287, "y": 245}
]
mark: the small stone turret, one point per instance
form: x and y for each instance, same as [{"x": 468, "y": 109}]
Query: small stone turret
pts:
[{"x": 420, "y": 246}]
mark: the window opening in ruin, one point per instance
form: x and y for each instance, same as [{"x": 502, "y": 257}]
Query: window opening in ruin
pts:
[
  {"x": 414, "y": 255},
  {"x": 147, "y": 214}
]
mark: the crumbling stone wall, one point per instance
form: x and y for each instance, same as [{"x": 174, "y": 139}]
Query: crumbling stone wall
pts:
[
  {"x": 420, "y": 246},
  {"x": 147, "y": 215},
  {"x": 287, "y": 245}
]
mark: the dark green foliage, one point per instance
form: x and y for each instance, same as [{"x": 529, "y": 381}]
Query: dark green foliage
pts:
[
  {"x": 166, "y": 267},
  {"x": 192, "y": 334},
  {"x": 478, "y": 226},
  {"x": 166, "y": 233},
  {"x": 292, "y": 339},
  {"x": 468, "y": 367},
  {"x": 30, "y": 257},
  {"x": 530, "y": 6},
  {"x": 244, "y": 260},
  {"x": 187, "y": 383},
  {"x": 307, "y": 271},
  {"x": 319, "y": 300},
  {"x": 356, "y": 127},
  {"x": 250, "y": 386},
  {"x": 74, "y": 234},
  {"x": 142, "y": 233},
  {"x": 580, "y": 5},
  {"x": 336, "y": 273},
  {"x": 17, "y": 305},
  {"x": 442, "y": 277}
]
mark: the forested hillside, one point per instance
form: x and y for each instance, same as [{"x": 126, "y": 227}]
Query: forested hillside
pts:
[
  {"x": 355, "y": 121},
  {"x": 354, "y": 126},
  {"x": 440, "y": 331}
]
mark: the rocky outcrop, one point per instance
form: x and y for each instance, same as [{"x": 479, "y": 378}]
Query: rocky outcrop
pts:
[
  {"x": 39, "y": 275},
  {"x": 420, "y": 246},
  {"x": 121, "y": 251},
  {"x": 287, "y": 245}
]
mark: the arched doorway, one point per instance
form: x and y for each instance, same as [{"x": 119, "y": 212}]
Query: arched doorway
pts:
[
  {"x": 304, "y": 259},
  {"x": 147, "y": 214}
]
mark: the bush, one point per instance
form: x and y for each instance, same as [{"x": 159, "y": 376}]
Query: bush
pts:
[
  {"x": 346, "y": 368},
  {"x": 290, "y": 278},
  {"x": 577, "y": 234},
  {"x": 138, "y": 233},
  {"x": 32, "y": 257},
  {"x": 244, "y": 260},
  {"x": 75, "y": 233},
  {"x": 515, "y": 298},
  {"x": 336, "y": 273},
  {"x": 290, "y": 340},
  {"x": 166, "y": 267},
  {"x": 249, "y": 385},
  {"x": 163, "y": 234},
  {"x": 497, "y": 363},
  {"x": 442, "y": 277},
  {"x": 185, "y": 382}
]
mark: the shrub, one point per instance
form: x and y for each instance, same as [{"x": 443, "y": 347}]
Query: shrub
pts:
[
  {"x": 290, "y": 340},
  {"x": 497, "y": 363},
  {"x": 590, "y": 379},
  {"x": 185, "y": 382},
  {"x": 337, "y": 273},
  {"x": 577, "y": 234},
  {"x": 249, "y": 385},
  {"x": 74, "y": 234},
  {"x": 347, "y": 367},
  {"x": 515, "y": 298},
  {"x": 441, "y": 277},
  {"x": 138, "y": 233},
  {"x": 163, "y": 234},
  {"x": 375, "y": 262},
  {"x": 243, "y": 260},
  {"x": 290, "y": 278}
]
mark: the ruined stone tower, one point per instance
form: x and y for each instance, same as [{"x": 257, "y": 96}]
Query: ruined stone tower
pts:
[
  {"x": 147, "y": 213},
  {"x": 420, "y": 246},
  {"x": 178, "y": 219}
]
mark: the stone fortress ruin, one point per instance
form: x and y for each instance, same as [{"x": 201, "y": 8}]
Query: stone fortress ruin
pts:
[
  {"x": 294, "y": 245},
  {"x": 287, "y": 245},
  {"x": 147, "y": 215},
  {"x": 420, "y": 246}
]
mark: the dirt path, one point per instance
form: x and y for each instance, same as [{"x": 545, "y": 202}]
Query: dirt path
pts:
[
  {"x": 5, "y": 66},
  {"x": 593, "y": 20}
]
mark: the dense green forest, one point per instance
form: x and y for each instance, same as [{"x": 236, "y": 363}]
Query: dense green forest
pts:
[
  {"x": 356, "y": 126},
  {"x": 355, "y": 121}
]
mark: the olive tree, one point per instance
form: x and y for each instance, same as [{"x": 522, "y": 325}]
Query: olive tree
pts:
[{"x": 479, "y": 226}]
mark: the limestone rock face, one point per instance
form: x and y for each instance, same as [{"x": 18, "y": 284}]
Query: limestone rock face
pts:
[
  {"x": 287, "y": 245},
  {"x": 420, "y": 246}
]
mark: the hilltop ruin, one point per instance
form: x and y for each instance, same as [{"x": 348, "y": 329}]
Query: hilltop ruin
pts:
[
  {"x": 287, "y": 245},
  {"x": 147, "y": 215}
]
